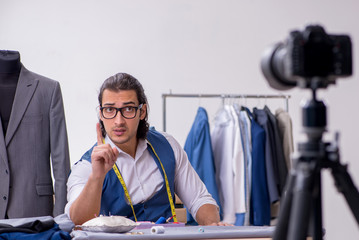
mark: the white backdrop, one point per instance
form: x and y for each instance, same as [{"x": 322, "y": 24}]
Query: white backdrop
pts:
[{"x": 197, "y": 46}]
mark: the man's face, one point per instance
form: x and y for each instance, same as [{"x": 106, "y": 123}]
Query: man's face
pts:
[{"x": 120, "y": 130}]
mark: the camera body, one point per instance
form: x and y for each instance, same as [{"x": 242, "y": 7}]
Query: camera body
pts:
[
  {"x": 307, "y": 55},
  {"x": 316, "y": 54}
]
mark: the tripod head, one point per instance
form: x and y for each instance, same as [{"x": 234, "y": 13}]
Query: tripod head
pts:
[{"x": 314, "y": 118}]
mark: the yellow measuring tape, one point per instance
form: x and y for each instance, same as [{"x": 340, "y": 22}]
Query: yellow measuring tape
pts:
[
  {"x": 119, "y": 176},
  {"x": 167, "y": 186}
]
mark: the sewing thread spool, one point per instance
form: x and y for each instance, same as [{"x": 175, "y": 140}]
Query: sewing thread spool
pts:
[{"x": 157, "y": 230}]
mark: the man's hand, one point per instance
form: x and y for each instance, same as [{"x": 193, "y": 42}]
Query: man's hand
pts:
[
  {"x": 221, "y": 224},
  {"x": 88, "y": 204},
  {"x": 103, "y": 157},
  {"x": 208, "y": 214}
]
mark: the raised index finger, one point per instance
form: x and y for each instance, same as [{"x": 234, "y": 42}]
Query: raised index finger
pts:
[{"x": 100, "y": 139}]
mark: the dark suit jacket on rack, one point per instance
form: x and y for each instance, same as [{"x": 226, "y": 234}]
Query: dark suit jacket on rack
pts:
[
  {"x": 36, "y": 129},
  {"x": 277, "y": 145}
]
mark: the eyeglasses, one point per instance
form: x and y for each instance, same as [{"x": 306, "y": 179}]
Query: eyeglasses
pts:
[{"x": 127, "y": 112}]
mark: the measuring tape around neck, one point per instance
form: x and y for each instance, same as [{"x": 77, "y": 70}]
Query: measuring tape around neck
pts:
[
  {"x": 170, "y": 198},
  {"x": 119, "y": 176}
]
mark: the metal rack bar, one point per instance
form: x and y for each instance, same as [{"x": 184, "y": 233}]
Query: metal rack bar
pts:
[{"x": 223, "y": 96}]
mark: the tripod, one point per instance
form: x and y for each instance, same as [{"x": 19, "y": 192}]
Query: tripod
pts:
[{"x": 301, "y": 211}]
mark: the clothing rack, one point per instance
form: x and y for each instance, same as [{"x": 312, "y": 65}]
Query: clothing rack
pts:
[{"x": 223, "y": 96}]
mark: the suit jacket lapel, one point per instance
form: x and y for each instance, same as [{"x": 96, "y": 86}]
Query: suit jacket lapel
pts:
[{"x": 24, "y": 91}]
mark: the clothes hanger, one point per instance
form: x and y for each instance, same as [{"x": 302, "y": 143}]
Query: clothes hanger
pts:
[{"x": 199, "y": 100}]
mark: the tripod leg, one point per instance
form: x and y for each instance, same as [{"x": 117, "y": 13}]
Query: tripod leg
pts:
[
  {"x": 317, "y": 222},
  {"x": 302, "y": 199},
  {"x": 285, "y": 206},
  {"x": 345, "y": 185}
]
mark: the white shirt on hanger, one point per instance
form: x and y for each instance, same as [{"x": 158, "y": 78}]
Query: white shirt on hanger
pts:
[
  {"x": 239, "y": 188},
  {"x": 222, "y": 136}
]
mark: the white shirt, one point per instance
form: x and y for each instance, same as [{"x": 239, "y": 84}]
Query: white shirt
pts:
[
  {"x": 222, "y": 137},
  {"x": 239, "y": 188},
  {"x": 143, "y": 178}
]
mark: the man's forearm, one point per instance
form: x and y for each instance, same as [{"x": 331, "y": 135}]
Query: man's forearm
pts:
[
  {"x": 88, "y": 204},
  {"x": 207, "y": 214}
]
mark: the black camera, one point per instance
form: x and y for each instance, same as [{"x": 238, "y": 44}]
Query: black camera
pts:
[{"x": 308, "y": 59}]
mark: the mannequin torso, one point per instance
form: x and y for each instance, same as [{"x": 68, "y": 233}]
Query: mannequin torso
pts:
[{"x": 10, "y": 67}]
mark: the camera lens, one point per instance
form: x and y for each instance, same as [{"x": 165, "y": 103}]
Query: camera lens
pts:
[{"x": 274, "y": 68}]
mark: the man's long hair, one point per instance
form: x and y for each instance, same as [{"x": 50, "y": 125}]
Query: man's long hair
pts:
[{"x": 124, "y": 81}]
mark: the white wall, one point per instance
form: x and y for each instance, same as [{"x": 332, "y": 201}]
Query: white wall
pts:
[{"x": 198, "y": 46}]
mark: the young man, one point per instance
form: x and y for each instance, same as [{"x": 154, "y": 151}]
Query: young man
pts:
[{"x": 133, "y": 171}]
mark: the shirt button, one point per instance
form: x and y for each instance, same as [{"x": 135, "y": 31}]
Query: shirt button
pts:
[
  {"x": 4, "y": 197},
  {"x": 145, "y": 206},
  {"x": 7, "y": 172}
]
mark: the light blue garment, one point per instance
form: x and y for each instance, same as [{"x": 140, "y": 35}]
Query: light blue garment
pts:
[
  {"x": 247, "y": 148},
  {"x": 242, "y": 219},
  {"x": 200, "y": 154}
]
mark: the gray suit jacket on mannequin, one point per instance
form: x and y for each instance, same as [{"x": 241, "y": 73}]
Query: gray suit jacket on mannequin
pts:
[{"x": 36, "y": 130}]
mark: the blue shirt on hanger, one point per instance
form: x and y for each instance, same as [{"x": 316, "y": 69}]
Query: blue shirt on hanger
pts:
[{"x": 199, "y": 151}]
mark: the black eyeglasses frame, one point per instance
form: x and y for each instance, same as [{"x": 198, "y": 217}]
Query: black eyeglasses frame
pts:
[{"x": 139, "y": 107}]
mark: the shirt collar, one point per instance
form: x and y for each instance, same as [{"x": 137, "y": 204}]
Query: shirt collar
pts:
[{"x": 141, "y": 147}]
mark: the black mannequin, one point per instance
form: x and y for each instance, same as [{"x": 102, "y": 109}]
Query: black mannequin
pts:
[{"x": 10, "y": 67}]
